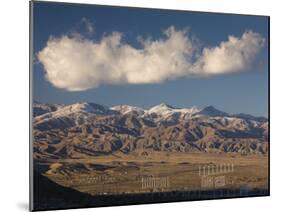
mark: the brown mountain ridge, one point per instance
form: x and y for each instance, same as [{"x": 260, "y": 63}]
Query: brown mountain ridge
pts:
[{"x": 89, "y": 129}]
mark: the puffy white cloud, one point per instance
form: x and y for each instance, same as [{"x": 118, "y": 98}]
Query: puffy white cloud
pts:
[
  {"x": 76, "y": 63},
  {"x": 230, "y": 56}
]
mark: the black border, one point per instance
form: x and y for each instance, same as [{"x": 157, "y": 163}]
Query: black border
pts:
[{"x": 31, "y": 192}]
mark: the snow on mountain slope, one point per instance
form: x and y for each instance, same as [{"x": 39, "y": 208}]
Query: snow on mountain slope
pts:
[
  {"x": 42, "y": 108},
  {"x": 164, "y": 110},
  {"x": 83, "y": 107},
  {"x": 77, "y": 108},
  {"x": 81, "y": 112},
  {"x": 163, "y": 127},
  {"x": 125, "y": 109},
  {"x": 161, "y": 109},
  {"x": 70, "y": 115}
]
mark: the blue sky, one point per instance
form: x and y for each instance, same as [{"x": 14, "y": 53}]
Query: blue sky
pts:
[{"x": 241, "y": 91}]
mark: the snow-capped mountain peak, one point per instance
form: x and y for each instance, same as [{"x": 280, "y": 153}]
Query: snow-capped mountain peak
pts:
[
  {"x": 77, "y": 108},
  {"x": 164, "y": 111},
  {"x": 125, "y": 109},
  {"x": 161, "y": 108},
  {"x": 191, "y": 110},
  {"x": 87, "y": 107}
]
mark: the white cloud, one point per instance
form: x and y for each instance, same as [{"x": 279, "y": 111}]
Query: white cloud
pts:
[
  {"x": 76, "y": 63},
  {"x": 231, "y": 56}
]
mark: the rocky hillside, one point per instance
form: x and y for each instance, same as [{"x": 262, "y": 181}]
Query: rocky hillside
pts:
[{"x": 88, "y": 129}]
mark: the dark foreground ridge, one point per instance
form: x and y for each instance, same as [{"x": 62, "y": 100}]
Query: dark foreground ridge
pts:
[{"x": 48, "y": 195}]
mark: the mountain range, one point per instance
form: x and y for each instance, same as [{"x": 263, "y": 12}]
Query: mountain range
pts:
[{"x": 89, "y": 129}]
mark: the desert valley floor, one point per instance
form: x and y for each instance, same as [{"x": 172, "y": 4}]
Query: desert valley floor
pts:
[{"x": 162, "y": 172}]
